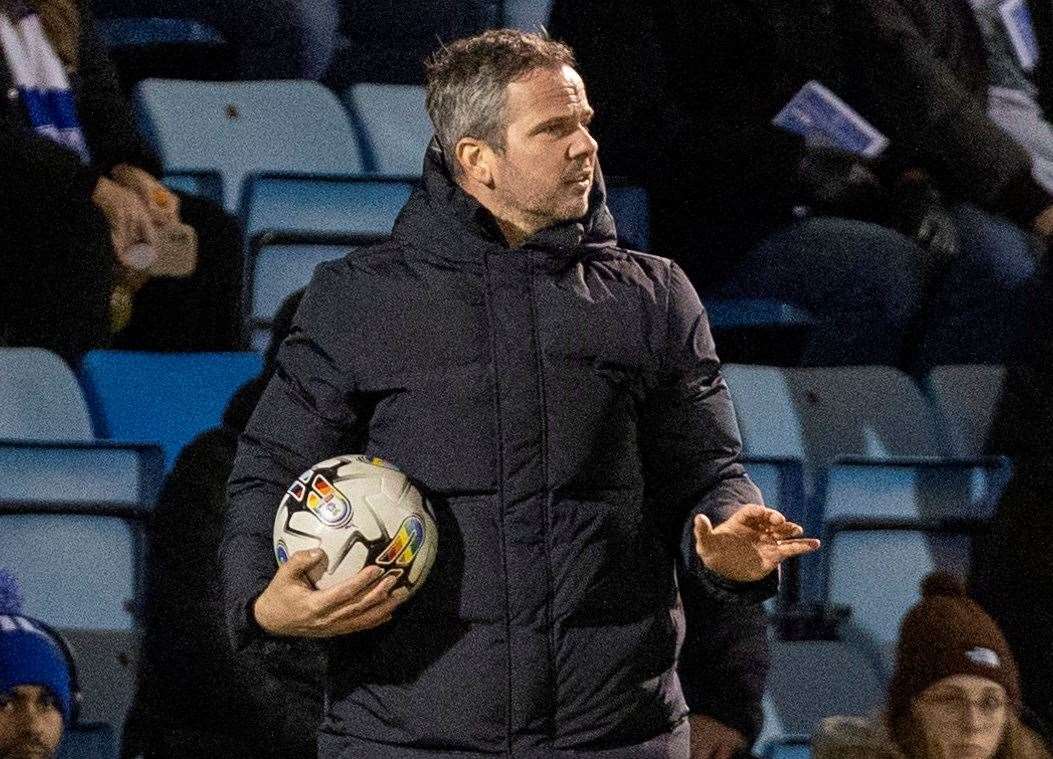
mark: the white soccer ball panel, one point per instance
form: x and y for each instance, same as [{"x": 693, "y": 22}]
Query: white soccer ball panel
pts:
[{"x": 346, "y": 569}]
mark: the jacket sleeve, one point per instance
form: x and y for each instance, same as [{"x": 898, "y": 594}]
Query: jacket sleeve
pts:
[
  {"x": 308, "y": 412},
  {"x": 37, "y": 170},
  {"x": 105, "y": 116},
  {"x": 725, "y": 660},
  {"x": 932, "y": 118},
  {"x": 690, "y": 441}
]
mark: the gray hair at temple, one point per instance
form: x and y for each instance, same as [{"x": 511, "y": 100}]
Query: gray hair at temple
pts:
[{"x": 466, "y": 83}]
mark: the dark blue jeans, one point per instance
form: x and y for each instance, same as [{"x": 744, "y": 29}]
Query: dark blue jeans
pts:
[{"x": 865, "y": 287}]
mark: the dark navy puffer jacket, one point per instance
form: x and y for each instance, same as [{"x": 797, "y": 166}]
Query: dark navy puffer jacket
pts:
[{"x": 560, "y": 405}]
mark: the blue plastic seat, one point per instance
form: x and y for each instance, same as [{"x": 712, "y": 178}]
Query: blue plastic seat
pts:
[
  {"x": 872, "y": 449},
  {"x": 876, "y": 571},
  {"x": 94, "y": 740},
  {"x": 797, "y": 747},
  {"x": 528, "y": 15},
  {"x": 810, "y": 680},
  {"x": 966, "y": 398},
  {"x": 168, "y": 398},
  {"x": 241, "y": 128},
  {"x": 107, "y": 667},
  {"x": 48, "y": 449},
  {"x": 127, "y": 31},
  {"x": 71, "y": 506},
  {"x": 81, "y": 564},
  {"x": 631, "y": 209},
  {"x": 294, "y": 222},
  {"x": 393, "y": 124},
  {"x": 279, "y": 268},
  {"x": 751, "y": 313}
]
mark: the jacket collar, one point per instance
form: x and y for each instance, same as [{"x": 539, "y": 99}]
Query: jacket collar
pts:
[{"x": 442, "y": 217}]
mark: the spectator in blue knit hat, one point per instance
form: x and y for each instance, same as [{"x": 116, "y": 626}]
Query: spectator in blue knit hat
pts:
[{"x": 36, "y": 684}]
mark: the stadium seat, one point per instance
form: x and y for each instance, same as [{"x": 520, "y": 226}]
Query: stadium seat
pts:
[
  {"x": 40, "y": 398},
  {"x": 871, "y": 448},
  {"x": 752, "y": 313},
  {"x": 791, "y": 747},
  {"x": 295, "y": 222},
  {"x": 821, "y": 414},
  {"x": 48, "y": 449},
  {"x": 781, "y": 481},
  {"x": 168, "y": 398},
  {"x": 393, "y": 126},
  {"x": 124, "y": 31},
  {"x": 335, "y": 204},
  {"x": 280, "y": 266},
  {"x": 528, "y": 15},
  {"x": 81, "y": 564},
  {"x": 107, "y": 663},
  {"x": 241, "y": 128},
  {"x": 89, "y": 741},
  {"x": 631, "y": 209},
  {"x": 810, "y": 680},
  {"x": 877, "y": 569},
  {"x": 966, "y": 398}
]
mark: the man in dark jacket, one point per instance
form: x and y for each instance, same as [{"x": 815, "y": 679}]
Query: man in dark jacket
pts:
[{"x": 559, "y": 401}]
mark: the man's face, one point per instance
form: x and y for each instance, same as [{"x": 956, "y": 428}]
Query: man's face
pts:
[
  {"x": 544, "y": 174},
  {"x": 30, "y": 723}
]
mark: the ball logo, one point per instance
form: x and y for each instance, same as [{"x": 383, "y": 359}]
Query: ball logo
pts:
[
  {"x": 327, "y": 503},
  {"x": 281, "y": 552},
  {"x": 404, "y": 546}
]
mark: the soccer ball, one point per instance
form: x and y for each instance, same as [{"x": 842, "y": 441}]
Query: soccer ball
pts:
[{"x": 359, "y": 511}]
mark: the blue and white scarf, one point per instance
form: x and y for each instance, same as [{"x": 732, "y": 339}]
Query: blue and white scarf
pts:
[{"x": 40, "y": 79}]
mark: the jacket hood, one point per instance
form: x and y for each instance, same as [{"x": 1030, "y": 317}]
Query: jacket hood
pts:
[{"x": 444, "y": 218}]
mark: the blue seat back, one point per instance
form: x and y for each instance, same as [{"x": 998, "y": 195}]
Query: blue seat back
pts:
[
  {"x": 78, "y": 569},
  {"x": 168, "y": 398},
  {"x": 89, "y": 741},
  {"x": 966, "y": 398},
  {"x": 127, "y": 31},
  {"x": 528, "y": 15},
  {"x": 810, "y": 680},
  {"x": 337, "y": 204},
  {"x": 40, "y": 398},
  {"x": 279, "y": 269},
  {"x": 877, "y": 572},
  {"x": 394, "y": 129},
  {"x": 822, "y": 414},
  {"x": 241, "y": 128}
]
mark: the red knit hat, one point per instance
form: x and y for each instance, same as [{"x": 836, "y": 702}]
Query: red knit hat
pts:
[{"x": 947, "y": 634}]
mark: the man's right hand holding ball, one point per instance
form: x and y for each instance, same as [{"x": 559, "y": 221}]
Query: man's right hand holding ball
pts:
[{"x": 292, "y": 606}]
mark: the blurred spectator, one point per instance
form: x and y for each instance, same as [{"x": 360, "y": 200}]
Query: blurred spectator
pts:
[
  {"x": 901, "y": 266},
  {"x": 78, "y": 189},
  {"x": 37, "y": 683},
  {"x": 1013, "y": 94},
  {"x": 954, "y": 693},
  {"x": 196, "y": 697}
]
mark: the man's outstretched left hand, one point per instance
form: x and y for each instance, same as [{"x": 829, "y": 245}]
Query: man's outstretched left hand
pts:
[{"x": 750, "y": 543}]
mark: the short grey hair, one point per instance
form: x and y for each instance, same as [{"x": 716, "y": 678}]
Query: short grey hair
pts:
[{"x": 467, "y": 81}]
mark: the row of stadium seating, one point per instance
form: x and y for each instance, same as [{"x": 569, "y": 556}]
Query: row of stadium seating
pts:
[{"x": 81, "y": 459}]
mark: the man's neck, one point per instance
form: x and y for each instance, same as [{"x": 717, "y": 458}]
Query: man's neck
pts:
[{"x": 514, "y": 231}]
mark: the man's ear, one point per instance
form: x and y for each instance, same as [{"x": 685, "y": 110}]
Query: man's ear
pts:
[{"x": 475, "y": 158}]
